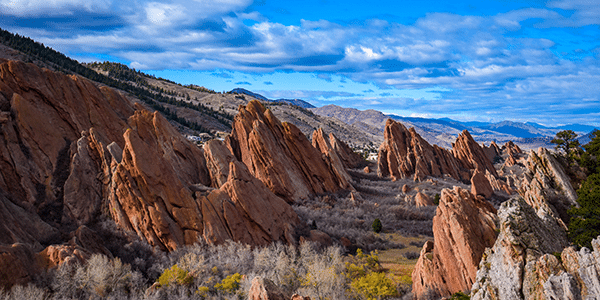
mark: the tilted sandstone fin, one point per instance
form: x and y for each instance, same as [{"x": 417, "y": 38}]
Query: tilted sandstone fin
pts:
[{"x": 462, "y": 228}]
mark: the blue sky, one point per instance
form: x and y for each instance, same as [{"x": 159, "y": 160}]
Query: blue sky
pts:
[{"x": 468, "y": 60}]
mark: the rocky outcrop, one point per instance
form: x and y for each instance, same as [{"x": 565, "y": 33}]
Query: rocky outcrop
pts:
[
  {"x": 509, "y": 270},
  {"x": 492, "y": 152},
  {"x": 462, "y": 228},
  {"x": 280, "y": 155},
  {"x": 470, "y": 155},
  {"x": 158, "y": 194},
  {"x": 512, "y": 153},
  {"x": 546, "y": 187},
  {"x": 404, "y": 154},
  {"x": 264, "y": 289},
  {"x": 349, "y": 158},
  {"x": 78, "y": 250},
  {"x": 98, "y": 156},
  {"x": 47, "y": 112},
  {"x": 331, "y": 156},
  {"x": 480, "y": 185}
]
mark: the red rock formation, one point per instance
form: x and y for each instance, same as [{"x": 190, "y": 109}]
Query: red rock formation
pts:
[
  {"x": 264, "y": 289},
  {"x": 404, "y": 154},
  {"x": 512, "y": 153},
  {"x": 480, "y": 185},
  {"x": 492, "y": 151},
  {"x": 470, "y": 154},
  {"x": 349, "y": 158},
  {"x": 78, "y": 250},
  {"x": 280, "y": 155},
  {"x": 35, "y": 157},
  {"x": 18, "y": 265},
  {"x": 153, "y": 196},
  {"x": 462, "y": 228},
  {"x": 331, "y": 156}
]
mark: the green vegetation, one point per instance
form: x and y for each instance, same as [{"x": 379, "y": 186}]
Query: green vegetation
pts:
[
  {"x": 175, "y": 275},
  {"x": 367, "y": 279},
  {"x": 436, "y": 199},
  {"x": 566, "y": 141},
  {"x": 585, "y": 220},
  {"x": 230, "y": 284},
  {"x": 584, "y": 225},
  {"x": 377, "y": 226},
  {"x": 589, "y": 158},
  {"x": 460, "y": 296}
]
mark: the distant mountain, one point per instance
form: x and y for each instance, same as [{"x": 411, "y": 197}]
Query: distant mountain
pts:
[
  {"x": 443, "y": 131},
  {"x": 297, "y": 102}
]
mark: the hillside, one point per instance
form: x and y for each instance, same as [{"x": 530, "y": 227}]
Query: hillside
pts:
[{"x": 443, "y": 131}]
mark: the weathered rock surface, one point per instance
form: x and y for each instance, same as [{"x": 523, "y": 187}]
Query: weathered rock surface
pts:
[
  {"x": 404, "y": 154},
  {"x": 331, "y": 156},
  {"x": 264, "y": 289},
  {"x": 462, "y": 228},
  {"x": 79, "y": 249},
  {"x": 480, "y": 185},
  {"x": 470, "y": 155},
  {"x": 349, "y": 158},
  {"x": 512, "y": 153},
  {"x": 70, "y": 150},
  {"x": 280, "y": 155},
  {"x": 492, "y": 152},
  {"x": 18, "y": 265},
  {"x": 509, "y": 269},
  {"x": 35, "y": 157},
  {"x": 547, "y": 188},
  {"x": 153, "y": 197}
]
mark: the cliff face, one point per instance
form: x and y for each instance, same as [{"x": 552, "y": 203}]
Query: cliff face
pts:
[
  {"x": 71, "y": 151},
  {"x": 280, "y": 155},
  {"x": 462, "y": 228}
]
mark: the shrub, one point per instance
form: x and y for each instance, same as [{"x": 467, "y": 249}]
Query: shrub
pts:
[
  {"x": 436, "y": 199},
  {"x": 375, "y": 285},
  {"x": 460, "y": 296},
  {"x": 230, "y": 284},
  {"x": 175, "y": 275},
  {"x": 377, "y": 226}
]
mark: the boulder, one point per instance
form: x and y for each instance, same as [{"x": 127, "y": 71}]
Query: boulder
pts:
[
  {"x": 423, "y": 200},
  {"x": 264, "y": 289},
  {"x": 462, "y": 228}
]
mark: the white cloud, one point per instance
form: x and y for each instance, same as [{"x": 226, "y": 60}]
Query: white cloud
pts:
[{"x": 51, "y": 7}]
